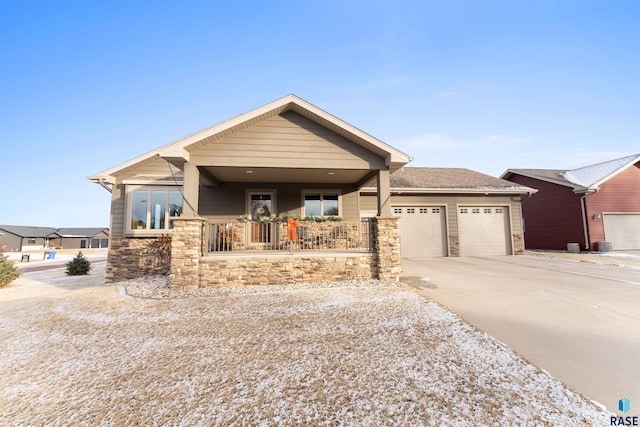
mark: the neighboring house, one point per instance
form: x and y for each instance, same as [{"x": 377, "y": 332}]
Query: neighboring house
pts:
[
  {"x": 219, "y": 192},
  {"x": 17, "y": 238},
  {"x": 588, "y": 205},
  {"x": 83, "y": 238}
]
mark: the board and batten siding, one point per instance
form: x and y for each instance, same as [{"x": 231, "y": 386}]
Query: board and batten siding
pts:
[{"x": 288, "y": 140}]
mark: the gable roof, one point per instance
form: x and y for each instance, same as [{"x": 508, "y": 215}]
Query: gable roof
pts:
[
  {"x": 81, "y": 232},
  {"x": 449, "y": 180},
  {"x": 177, "y": 151},
  {"x": 27, "y": 231},
  {"x": 587, "y": 178}
]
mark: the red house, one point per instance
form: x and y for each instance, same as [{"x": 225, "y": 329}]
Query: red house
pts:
[{"x": 588, "y": 205}]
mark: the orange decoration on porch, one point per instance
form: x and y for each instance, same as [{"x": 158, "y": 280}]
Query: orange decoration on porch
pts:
[{"x": 292, "y": 224}]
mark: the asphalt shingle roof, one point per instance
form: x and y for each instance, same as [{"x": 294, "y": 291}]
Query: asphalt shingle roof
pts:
[
  {"x": 446, "y": 178},
  {"x": 27, "y": 231}
]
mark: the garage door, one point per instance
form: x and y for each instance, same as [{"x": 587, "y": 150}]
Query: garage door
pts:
[
  {"x": 484, "y": 230},
  {"x": 422, "y": 231},
  {"x": 622, "y": 230}
]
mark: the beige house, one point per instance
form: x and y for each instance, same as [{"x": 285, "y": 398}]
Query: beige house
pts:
[
  {"x": 288, "y": 193},
  {"x": 18, "y": 238}
]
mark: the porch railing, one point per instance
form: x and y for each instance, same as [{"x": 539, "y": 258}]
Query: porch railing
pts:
[{"x": 232, "y": 236}]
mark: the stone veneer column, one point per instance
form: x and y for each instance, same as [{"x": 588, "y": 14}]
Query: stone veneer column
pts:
[
  {"x": 387, "y": 248},
  {"x": 186, "y": 251}
]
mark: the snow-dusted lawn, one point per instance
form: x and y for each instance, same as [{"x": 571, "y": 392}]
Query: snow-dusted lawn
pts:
[{"x": 344, "y": 354}]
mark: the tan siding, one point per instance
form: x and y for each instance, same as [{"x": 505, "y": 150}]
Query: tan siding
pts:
[
  {"x": 350, "y": 205},
  {"x": 288, "y": 140},
  {"x": 451, "y": 202},
  {"x": 117, "y": 210},
  {"x": 155, "y": 168}
]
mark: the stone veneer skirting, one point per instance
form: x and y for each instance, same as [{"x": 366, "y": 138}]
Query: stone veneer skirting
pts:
[
  {"x": 268, "y": 269},
  {"x": 130, "y": 258},
  {"x": 190, "y": 269}
]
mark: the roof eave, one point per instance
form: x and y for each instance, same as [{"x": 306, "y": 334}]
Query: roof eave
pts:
[
  {"x": 458, "y": 190},
  {"x": 575, "y": 187}
]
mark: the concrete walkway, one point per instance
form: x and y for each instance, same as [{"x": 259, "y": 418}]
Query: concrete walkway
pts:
[{"x": 579, "y": 321}]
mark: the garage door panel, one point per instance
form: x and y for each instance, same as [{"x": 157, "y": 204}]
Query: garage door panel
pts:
[
  {"x": 422, "y": 231},
  {"x": 622, "y": 230},
  {"x": 484, "y": 230}
]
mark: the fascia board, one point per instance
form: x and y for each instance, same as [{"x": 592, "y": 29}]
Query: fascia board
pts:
[
  {"x": 455, "y": 190},
  {"x": 575, "y": 187},
  {"x": 288, "y": 102},
  {"x": 394, "y": 155}
]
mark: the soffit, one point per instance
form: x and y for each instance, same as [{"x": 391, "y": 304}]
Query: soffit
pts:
[{"x": 299, "y": 175}]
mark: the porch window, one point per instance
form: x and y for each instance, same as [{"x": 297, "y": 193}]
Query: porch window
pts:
[
  {"x": 150, "y": 208},
  {"x": 321, "y": 204}
]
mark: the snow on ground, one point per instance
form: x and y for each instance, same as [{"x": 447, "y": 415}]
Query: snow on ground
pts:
[{"x": 346, "y": 353}]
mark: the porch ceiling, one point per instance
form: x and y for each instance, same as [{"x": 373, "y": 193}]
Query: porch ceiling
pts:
[{"x": 288, "y": 175}]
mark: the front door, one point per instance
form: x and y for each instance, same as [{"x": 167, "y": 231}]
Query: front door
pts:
[{"x": 260, "y": 205}]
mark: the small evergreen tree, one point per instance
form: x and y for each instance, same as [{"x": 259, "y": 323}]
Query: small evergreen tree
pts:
[
  {"x": 78, "y": 265},
  {"x": 8, "y": 271}
]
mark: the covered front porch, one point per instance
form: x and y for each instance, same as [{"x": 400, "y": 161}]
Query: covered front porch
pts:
[
  {"x": 194, "y": 265},
  {"x": 273, "y": 196}
]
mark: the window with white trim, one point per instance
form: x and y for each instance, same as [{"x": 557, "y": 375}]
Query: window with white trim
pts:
[
  {"x": 397, "y": 210},
  {"x": 151, "y": 207},
  {"x": 499, "y": 210},
  {"x": 424, "y": 210},
  {"x": 321, "y": 203},
  {"x": 435, "y": 210},
  {"x": 487, "y": 210}
]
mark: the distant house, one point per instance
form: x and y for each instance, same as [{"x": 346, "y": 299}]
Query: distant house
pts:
[
  {"x": 588, "y": 205},
  {"x": 18, "y": 238},
  {"x": 24, "y": 238},
  {"x": 289, "y": 193},
  {"x": 83, "y": 238}
]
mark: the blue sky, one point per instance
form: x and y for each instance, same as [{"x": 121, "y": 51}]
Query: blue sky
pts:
[{"x": 485, "y": 85}]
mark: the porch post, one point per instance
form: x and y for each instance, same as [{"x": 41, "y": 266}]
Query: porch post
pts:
[
  {"x": 387, "y": 248},
  {"x": 186, "y": 252},
  {"x": 384, "y": 193},
  {"x": 191, "y": 190}
]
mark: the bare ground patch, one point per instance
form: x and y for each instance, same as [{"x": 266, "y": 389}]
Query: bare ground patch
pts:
[{"x": 348, "y": 354}]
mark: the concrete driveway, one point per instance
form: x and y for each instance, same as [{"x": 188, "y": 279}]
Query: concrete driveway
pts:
[{"x": 579, "y": 321}]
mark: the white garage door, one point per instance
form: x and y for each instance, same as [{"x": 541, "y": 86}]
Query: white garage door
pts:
[
  {"x": 622, "y": 230},
  {"x": 484, "y": 230},
  {"x": 422, "y": 231}
]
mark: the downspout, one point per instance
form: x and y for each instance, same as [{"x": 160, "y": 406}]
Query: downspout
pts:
[{"x": 585, "y": 225}]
